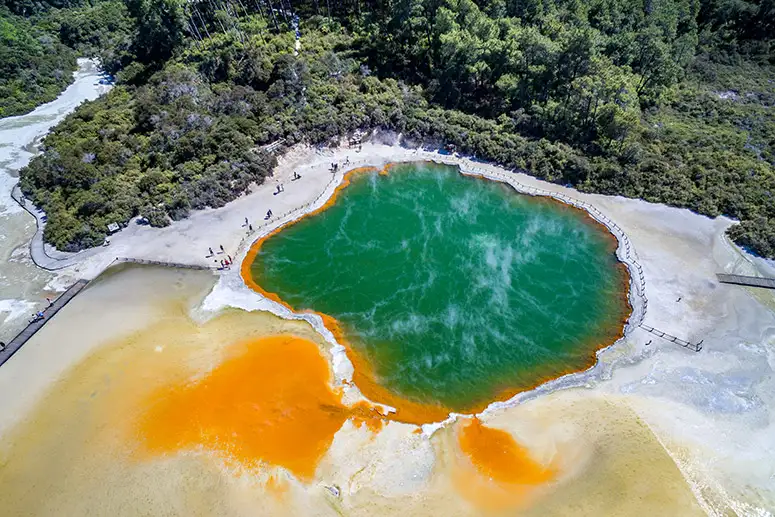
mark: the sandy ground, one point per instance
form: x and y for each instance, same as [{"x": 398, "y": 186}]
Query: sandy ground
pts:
[{"x": 709, "y": 412}]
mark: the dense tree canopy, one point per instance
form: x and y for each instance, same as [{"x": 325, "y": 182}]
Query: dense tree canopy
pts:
[
  {"x": 104, "y": 30},
  {"x": 34, "y": 65},
  {"x": 668, "y": 100}
]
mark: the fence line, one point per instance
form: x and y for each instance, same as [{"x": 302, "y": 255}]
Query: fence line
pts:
[
  {"x": 282, "y": 219},
  {"x": 37, "y": 244},
  {"x": 163, "y": 263},
  {"x": 625, "y": 249},
  {"x": 664, "y": 335}
]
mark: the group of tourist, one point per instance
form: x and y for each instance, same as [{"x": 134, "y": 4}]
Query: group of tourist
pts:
[
  {"x": 335, "y": 166},
  {"x": 225, "y": 263}
]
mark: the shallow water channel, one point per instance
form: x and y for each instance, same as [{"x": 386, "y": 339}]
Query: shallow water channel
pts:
[{"x": 23, "y": 286}]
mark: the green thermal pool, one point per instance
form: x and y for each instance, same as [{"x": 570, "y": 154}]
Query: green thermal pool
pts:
[{"x": 454, "y": 290}]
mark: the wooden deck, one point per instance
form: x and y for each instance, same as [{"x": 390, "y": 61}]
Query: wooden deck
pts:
[
  {"x": 22, "y": 337},
  {"x": 751, "y": 281}
]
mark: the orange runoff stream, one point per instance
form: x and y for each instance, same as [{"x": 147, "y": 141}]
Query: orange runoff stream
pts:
[{"x": 270, "y": 402}]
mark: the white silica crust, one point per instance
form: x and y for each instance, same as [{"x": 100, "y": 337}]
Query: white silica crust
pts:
[
  {"x": 673, "y": 288},
  {"x": 710, "y": 410},
  {"x": 232, "y": 292}
]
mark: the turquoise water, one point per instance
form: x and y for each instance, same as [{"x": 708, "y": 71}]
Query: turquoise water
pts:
[{"x": 453, "y": 289}]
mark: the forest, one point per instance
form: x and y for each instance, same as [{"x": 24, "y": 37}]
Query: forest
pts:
[
  {"x": 34, "y": 65},
  {"x": 39, "y": 43},
  {"x": 669, "y": 101}
]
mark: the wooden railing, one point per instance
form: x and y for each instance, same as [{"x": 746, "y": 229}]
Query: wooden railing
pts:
[
  {"x": 162, "y": 263},
  {"x": 626, "y": 250},
  {"x": 664, "y": 335}
]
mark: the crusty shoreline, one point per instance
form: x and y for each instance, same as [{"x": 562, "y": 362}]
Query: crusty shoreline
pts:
[
  {"x": 679, "y": 253},
  {"x": 681, "y": 395},
  {"x": 424, "y": 414},
  {"x": 188, "y": 241}
]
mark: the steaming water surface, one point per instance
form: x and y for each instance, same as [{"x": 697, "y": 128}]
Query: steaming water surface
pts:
[
  {"x": 72, "y": 400},
  {"x": 455, "y": 290}
]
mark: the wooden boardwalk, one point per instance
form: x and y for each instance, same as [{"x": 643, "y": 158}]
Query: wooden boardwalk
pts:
[
  {"x": 752, "y": 281},
  {"x": 22, "y": 337},
  {"x": 16, "y": 343}
]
